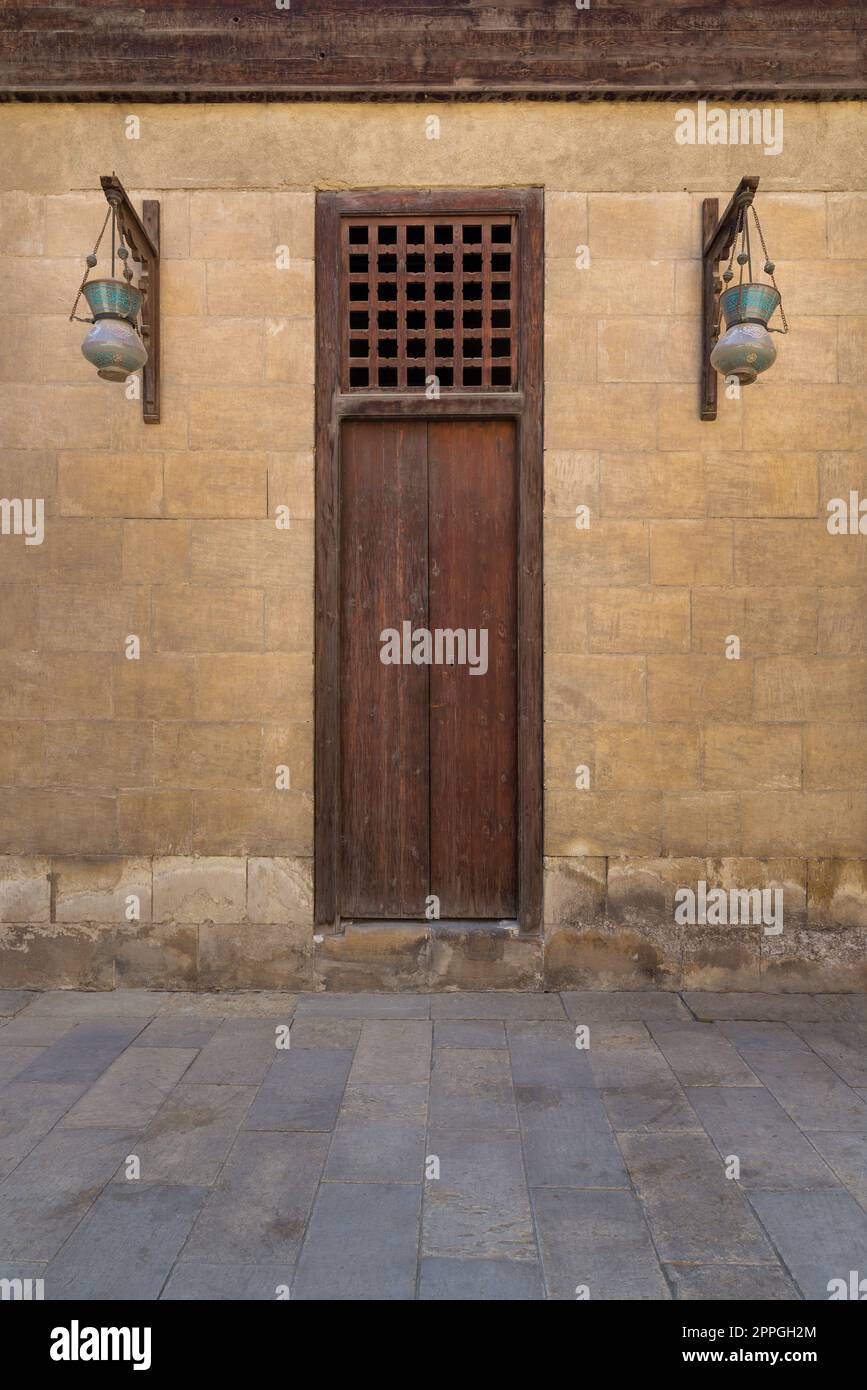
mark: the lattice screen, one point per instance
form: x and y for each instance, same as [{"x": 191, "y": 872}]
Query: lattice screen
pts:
[{"x": 428, "y": 296}]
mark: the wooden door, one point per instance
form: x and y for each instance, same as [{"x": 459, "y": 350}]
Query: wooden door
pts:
[{"x": 428, "y": 748}]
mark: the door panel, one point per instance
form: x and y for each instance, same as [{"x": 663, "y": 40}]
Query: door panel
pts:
[
  {"x": 473, "y": 753},
  {"x": 428, "y": 752},
  {"x": 384, "y": 835}
]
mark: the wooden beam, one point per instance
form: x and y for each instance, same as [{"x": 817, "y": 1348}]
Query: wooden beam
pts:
[
  {"x": 717, "y": 235},
  {"x": 424, "y": 49},
  {"x": 142, "y": 236}
]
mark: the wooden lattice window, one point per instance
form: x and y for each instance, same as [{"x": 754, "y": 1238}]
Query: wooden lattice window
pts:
[{"x": 425, "y": 297}]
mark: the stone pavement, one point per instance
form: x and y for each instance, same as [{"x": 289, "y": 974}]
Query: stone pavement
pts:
[{"x": 447, "y": 1146}]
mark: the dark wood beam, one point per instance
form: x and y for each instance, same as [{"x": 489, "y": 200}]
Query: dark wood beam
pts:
[
  {"x": 423, "y": 49},
  {"x": 717, "y": 235},
  {"x": 142, "y": 236}
]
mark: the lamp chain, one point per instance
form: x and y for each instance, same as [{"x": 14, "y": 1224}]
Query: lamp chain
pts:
[{"x": 785, "y": 327}]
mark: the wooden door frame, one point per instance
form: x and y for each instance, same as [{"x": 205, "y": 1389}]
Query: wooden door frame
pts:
[{"x": 524, "y": 407}]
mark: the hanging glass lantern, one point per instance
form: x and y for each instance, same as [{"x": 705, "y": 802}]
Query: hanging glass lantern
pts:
[
  {"x": 746, "y": 347},
  {"x": 113, "y": 344}
]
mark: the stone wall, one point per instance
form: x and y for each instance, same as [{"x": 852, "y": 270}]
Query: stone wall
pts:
[{"x": 154, "y": 779}]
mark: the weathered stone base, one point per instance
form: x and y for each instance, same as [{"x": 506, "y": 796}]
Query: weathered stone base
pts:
[{"x": 232, "y": 923}]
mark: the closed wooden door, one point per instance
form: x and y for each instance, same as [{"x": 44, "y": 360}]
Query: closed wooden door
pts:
[{"x": 428, "y": 736}]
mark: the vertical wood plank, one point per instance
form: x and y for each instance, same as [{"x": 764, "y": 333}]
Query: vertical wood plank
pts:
[
  {"x": 384, "y": 754},
  {"x": 473, "y": 585}
]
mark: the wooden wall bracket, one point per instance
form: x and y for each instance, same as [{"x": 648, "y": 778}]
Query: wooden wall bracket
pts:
[
  {"x": 142, "y": 236},
  {"x": 717, "y": 235}
]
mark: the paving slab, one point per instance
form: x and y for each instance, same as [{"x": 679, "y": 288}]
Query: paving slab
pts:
[
  {"x": 695, "y": 1213},
  {"x": 393, "y": 1050},
  {"x": 850, "y": 1008},
  {"x": 316, "y": 1033},
  {"x": 708, "y": 1006},
  {"x": 84, "y": 1053},
  {"x": 846, "y": 1155},
  {"x": 212, "y": 1283},
  {"x": 747, "y": 1035},
  {"x": 302, "y": 1091},
  {"x": 568, "y": 1141},
  {"x": 471, "y": 1088},
  {"x": 497, "y": 1004},
  {"x": 479, "y": 1206},
  {"x": 257, "y": 1212},
  {"x": 28, "y": 1110},
  {"x": 14, "y": 1060},
  {"x": 126, "y": 1244},
  {"x": 131, "y": 1091},
  {"x": 240, "y": 1053},
  {"x": 13, "y": 1000},
  {"x": 467, "y": 1281},
  {"x": 750, "y": 1124},
  {"x": 267, "y": 1003},
  {"x": 364, "y": 1006},
  {"x": 842, "y": 1045},
  {"x": 636, "y": 1084},
  {"x": 596, "y": 1245},
  {"x": 544, "y": 1056},
  {"x": 46, "y": 1196},
  {"x": 380, "y": 1134},
  {"x": 700, "y": 1056},
  {"x": 469, "y": 1033},
  {"x": 361, "y": 1244},
  {"x": 596, "y": 1006},
  {"x": 731, "y": 1283},
  {"x": 90, "y": 1006},
  {"x": 188, "y": 1140},
  {"x": 820, "y": 1236},
  {"x": 41, "y": 1031},
  {"x": 810, "y": 1091},
  {"x": 179, "y": 1030}
]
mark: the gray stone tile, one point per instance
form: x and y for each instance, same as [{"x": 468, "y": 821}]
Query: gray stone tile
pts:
[
  {"x": 695, "y": 1213},
  {"x": 380, "y": 1134},
  {"x": 364, "y": 1006},
  {"x": 130, "y": 1093},
  {"x": 393, "y": 1051},
  {"x": 598, "y": 1240},
  {"x": 105, "y": 1004},
  {"x": 568, "y": 1140},
  {"x": 188, "y": 1140},
  {"x": 497, "y": 1004},
  {"x": 28, "y": 1273},
  {"x": 212, "y": 1283},
  {"x": 15, "y": 1060},
  {"x": 259, "y": 1208},
  {"x": 471, "y": 1088},
  {"x": 237, "y": 1004},
  {"x": 466, "y": 1281},
  {"x": 544, "y": 1056},
  {"x": 765, "y": 1037},
  {"x": 12, "y": 1001},
  {"x": 842, "y": 1045},
  {"x": 85, "y": 1053},
  {"x": 28, "y": 1110},
  {"x": 601, "y": 1006},
  {"x": 700, "y": 1056},
  {"x": 361, "y": 1244},
  {"x": 46, "y": 1196},
  {"x": 178, "y": 1030},
  {"x": 810, "y": 1091},
  {"x": 318, "y": 1034},
  {"x": 240, "y": 1053},
  {"x": 303, "y": 1090},
  {"x": 846, "y": 1155},
  {"x": 636, "y": 1083},
  {"x": 820, "y": 1235},
  {"x": 850, "y": 1008},
  {"x": 469, "y": 1033},
  {"x": 126, "y": 1244},
  {"x": 750, "y": 1124},
  {"x": 42, "y": 1031},
  {"x": 708, "y": 1005},
  {"x": 731, "y": 1283},
  {"x": 479, "y": 1205}
]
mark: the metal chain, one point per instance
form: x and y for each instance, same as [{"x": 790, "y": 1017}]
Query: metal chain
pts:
[
  {"x": 785, "y": 327},
  {"x": 73, "y": 315}
]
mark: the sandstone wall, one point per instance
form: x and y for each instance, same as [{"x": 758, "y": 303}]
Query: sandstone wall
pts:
[{"x": 155, "y": 778}]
